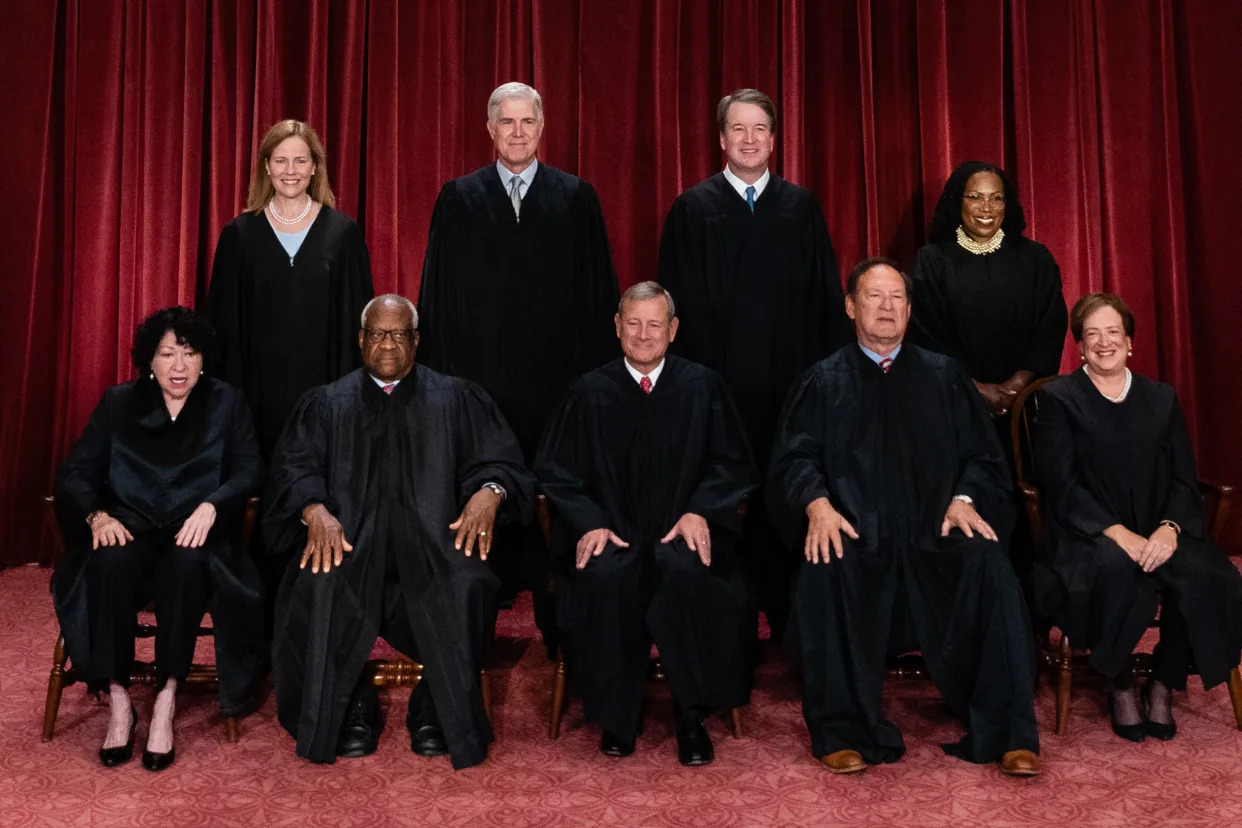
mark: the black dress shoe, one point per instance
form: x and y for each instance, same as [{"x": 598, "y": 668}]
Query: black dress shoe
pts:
[
  {"x": 361, "y": 731},
  {"x": 428, "y": 740},
  {"x": 694, "y": 746},
  {"x": 111, "y": 757},
  {"x": 1164, "y": 731},
  {"x": 158, "y": 761},
  {"x": 610, "y": 745},
  {"x": 1131, "y": 732}
]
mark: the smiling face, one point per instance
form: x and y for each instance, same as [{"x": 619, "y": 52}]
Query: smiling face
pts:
[
  {"x": 747, "y": 141},
  {"x": 880, "y": 308},
  {"x": 176, "y": 367},
  {"x": 1104, "y": 344},
  {"x": 290, "y": 167},
  {"x": 983, "y": 206},
  {"x": 515, "y": 131},
  {"x": 645, "y": 332}
]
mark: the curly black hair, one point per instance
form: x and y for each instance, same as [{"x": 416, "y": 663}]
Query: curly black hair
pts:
[
  {"x": 944, "y": 222},
  {"x": 189, "y": 326}
]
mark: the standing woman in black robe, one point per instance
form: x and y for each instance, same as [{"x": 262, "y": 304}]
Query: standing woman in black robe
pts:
[
  {"x": 1124, "y": 519},
  {"x": 150, "y": 503},
  {"x": 986, "y": 295},
  {"x": 289, "y": 281}
]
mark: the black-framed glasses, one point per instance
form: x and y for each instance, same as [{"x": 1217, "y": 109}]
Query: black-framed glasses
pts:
[{"x": 400, "y": 336}]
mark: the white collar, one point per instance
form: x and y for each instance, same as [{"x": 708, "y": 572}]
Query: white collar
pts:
[
  {"x": 1125, "y": 392},
  {"x": 654, "y": 376},
  {"x": 527, "y": 175},
  {"x": 877, "y": 358},
  {"x": 740, "y": 185},
  {"x": 381, "y": 383}
]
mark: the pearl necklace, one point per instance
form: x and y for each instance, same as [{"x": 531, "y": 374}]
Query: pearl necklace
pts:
[
  {"x": 1125, "y": 391},
  {"x": 980, "y": 248},
  {"x": 271, "y": 208}
]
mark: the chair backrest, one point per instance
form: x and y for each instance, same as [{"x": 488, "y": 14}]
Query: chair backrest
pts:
[{"x": 1021, "y": 427}]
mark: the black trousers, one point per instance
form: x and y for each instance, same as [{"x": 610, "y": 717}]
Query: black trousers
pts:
[{"x": 121, "y": 579}]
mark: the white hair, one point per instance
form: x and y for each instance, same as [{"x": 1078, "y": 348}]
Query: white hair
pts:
[
  {"x": 647, "y": 290},
  {"x": 396, "y": 299},
  {"x": 513, "y": 91}
]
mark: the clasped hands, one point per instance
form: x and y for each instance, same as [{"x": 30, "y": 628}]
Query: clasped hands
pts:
[
  {"x": 826, "y": 525},
  {"x": 1000, "y": 396},
  {"x": 326, "y": 544},
  {"x": 108, "y": 531},
  {"x": 690, "y": 527},
  {"x": 1150, "y": 552}
]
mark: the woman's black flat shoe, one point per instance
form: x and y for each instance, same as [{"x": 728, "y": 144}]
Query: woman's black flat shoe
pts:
[
  {"x": 158, "y": 761},
  {"x": 111, "y": 757},
  {"x": 1133, "y": 732},
  {"x": 1158, "y": 730}
]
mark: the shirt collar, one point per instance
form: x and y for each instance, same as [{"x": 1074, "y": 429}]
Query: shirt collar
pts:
[
  {"x": 740, "y": 185},
  {"x": 381, "y": 383},
  {"x": 876, "y": 358},
  {"x": 527, "y": 175},
  {"x": 654, "y": 376}
]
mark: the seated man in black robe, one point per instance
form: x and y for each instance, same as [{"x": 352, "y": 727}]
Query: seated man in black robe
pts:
[
  {"x": 884, "y": 467},
  {"x": 388, "y": 481},
  {"x": 645, "y": 464}
]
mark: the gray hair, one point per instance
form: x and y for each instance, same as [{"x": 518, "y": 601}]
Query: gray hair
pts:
[
  {"x": 513, "y": 91},
  {"x": 396, "y": 299},
  {"x": 644, "y": 291}
]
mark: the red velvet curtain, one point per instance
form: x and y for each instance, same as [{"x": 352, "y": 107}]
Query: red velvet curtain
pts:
[{"x": 130, "y": 128}]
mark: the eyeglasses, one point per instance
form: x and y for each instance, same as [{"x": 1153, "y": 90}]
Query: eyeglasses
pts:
[{"x": 401, "y": 336}]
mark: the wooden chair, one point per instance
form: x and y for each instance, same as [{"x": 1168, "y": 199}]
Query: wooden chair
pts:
[
  {"x": 402, "y": 672},
  {"x": 201, "y": 676},
  {"x": 1061, "y": 659},
  {"x": 558, "y": 677}
]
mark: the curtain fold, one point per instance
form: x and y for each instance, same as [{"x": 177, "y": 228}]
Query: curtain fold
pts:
[{"x": 131, "y": 126}]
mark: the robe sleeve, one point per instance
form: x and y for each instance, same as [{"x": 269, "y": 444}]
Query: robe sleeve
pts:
[
  {"x": 834, "y": 324},
  {"x": 929, "y": 322},
  {"x": 1043, "y": 352},
  {"x": 1060, "y": 483},
  {"x": 597, "y": 282},
  {"x": 245, "y": 466},
  {"x": 984, "y": 472},
  {"x": 562, "y": 466},
  {"x": 224, "y": 306},
  {"x": 1184, "y": 505},
  {"x": 298, "y": 474},
  {"x": 680, "y": 271},
  {"x": 434, "y": 294},
  {"x": 796, "y": 475},
  {"x": 730, "y": 473},
  {"x": 488, "y": 452},
  {"x": 82, "y": 477},
  {"x": 353, "y": 280}
]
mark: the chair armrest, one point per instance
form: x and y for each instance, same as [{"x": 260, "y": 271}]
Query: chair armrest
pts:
[
  {"x": 1216, "y": 503},
  {"x": 543, "y": 511},
  {"x": 1030, "y": 500}
]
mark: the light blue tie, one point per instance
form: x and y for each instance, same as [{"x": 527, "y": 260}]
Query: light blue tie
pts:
[{"x": 750, "y": 198}]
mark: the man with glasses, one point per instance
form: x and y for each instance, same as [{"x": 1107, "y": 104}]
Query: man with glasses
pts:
[{"x": 388, "y": 482}]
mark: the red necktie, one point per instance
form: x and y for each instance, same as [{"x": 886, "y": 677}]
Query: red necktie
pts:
[
  {"x": 886, "y": 363},
  {"x": 388, "y": 388},
  {"x": 645, "y": 384}
]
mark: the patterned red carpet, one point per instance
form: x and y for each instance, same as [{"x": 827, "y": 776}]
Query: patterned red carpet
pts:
[{"x": 768, "y": 778}]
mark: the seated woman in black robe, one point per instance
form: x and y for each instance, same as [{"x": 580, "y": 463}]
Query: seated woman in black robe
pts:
[
  {"x": 150, "y": 503},
  {"x": 1125, "y": 524}
]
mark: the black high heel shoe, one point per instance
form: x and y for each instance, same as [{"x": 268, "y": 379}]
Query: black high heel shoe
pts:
[
  {"x": 1132, "y": 732},
  {"x": 111, "y": 757},
  {"x": 1158, "y": 730}
]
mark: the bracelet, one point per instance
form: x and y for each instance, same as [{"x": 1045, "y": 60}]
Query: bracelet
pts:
[
  {"x": 1177, "y": 530},
  {"x": 95, "y": 516}
]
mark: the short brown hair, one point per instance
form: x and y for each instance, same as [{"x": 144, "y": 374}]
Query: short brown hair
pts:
[
  {"x": 261, "y": 189},
  {"x": 1091, "y": 303},
  {"x": 750, "y": 96}
]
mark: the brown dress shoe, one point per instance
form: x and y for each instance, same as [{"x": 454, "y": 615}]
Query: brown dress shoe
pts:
[
  {"x": 1021, "y": 763},
  {"x": 844, "y": 761}
]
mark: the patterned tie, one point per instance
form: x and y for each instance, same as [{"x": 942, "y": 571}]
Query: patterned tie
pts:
[
  {"x": 515, "y": 195},
  {"x": 388, "y": 388},
  {"x": 645, "y": 384},
  {"x": 750, "y": 198},
  {"x": 886, "y": 364}
]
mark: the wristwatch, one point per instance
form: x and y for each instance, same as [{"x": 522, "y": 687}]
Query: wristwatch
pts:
[
  {"x": 967, "y": 499},
  {"x": 94, "y": 516}
]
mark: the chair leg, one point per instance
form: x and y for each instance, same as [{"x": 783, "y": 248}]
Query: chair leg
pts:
[
  {"x": 485, "y": 685},
  {"x": 231, "y": 730},
  {"x": 737, "y": 723},
  {"x": 1235, "y": 695},
  {"x": 1064, "y": 683},
  {"x": 55, "y": 685},
  {"x": 558, "y": 700}
]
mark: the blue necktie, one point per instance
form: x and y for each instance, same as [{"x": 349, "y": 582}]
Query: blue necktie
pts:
[{"x": 750, "y": 198}]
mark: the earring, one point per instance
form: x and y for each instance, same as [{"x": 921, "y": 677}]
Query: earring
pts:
[
  {"x": 152, "y": 375},
  {"x": 1082, "y": 356},
  {"x": 1130, "y": 353},
  {"x": 201, "y": 372}
]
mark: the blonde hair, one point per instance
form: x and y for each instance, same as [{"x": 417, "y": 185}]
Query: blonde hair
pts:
[{"x": 261, "y": 189}]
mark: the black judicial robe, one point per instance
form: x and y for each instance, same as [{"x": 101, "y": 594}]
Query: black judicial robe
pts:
[
  {"x": 890, "y": 451},
  {"x": 150, "y": 472},
  {"x": 758, "y": 294},
  {"x": 1099, "y": 463},
  {"x": 995, "y": 314},
  {"x": 615, "y": 457},
  {"x": 521, "y": 308},
  {"x": 285, "y": 325},
  {"x": 395, "y": 471}
]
